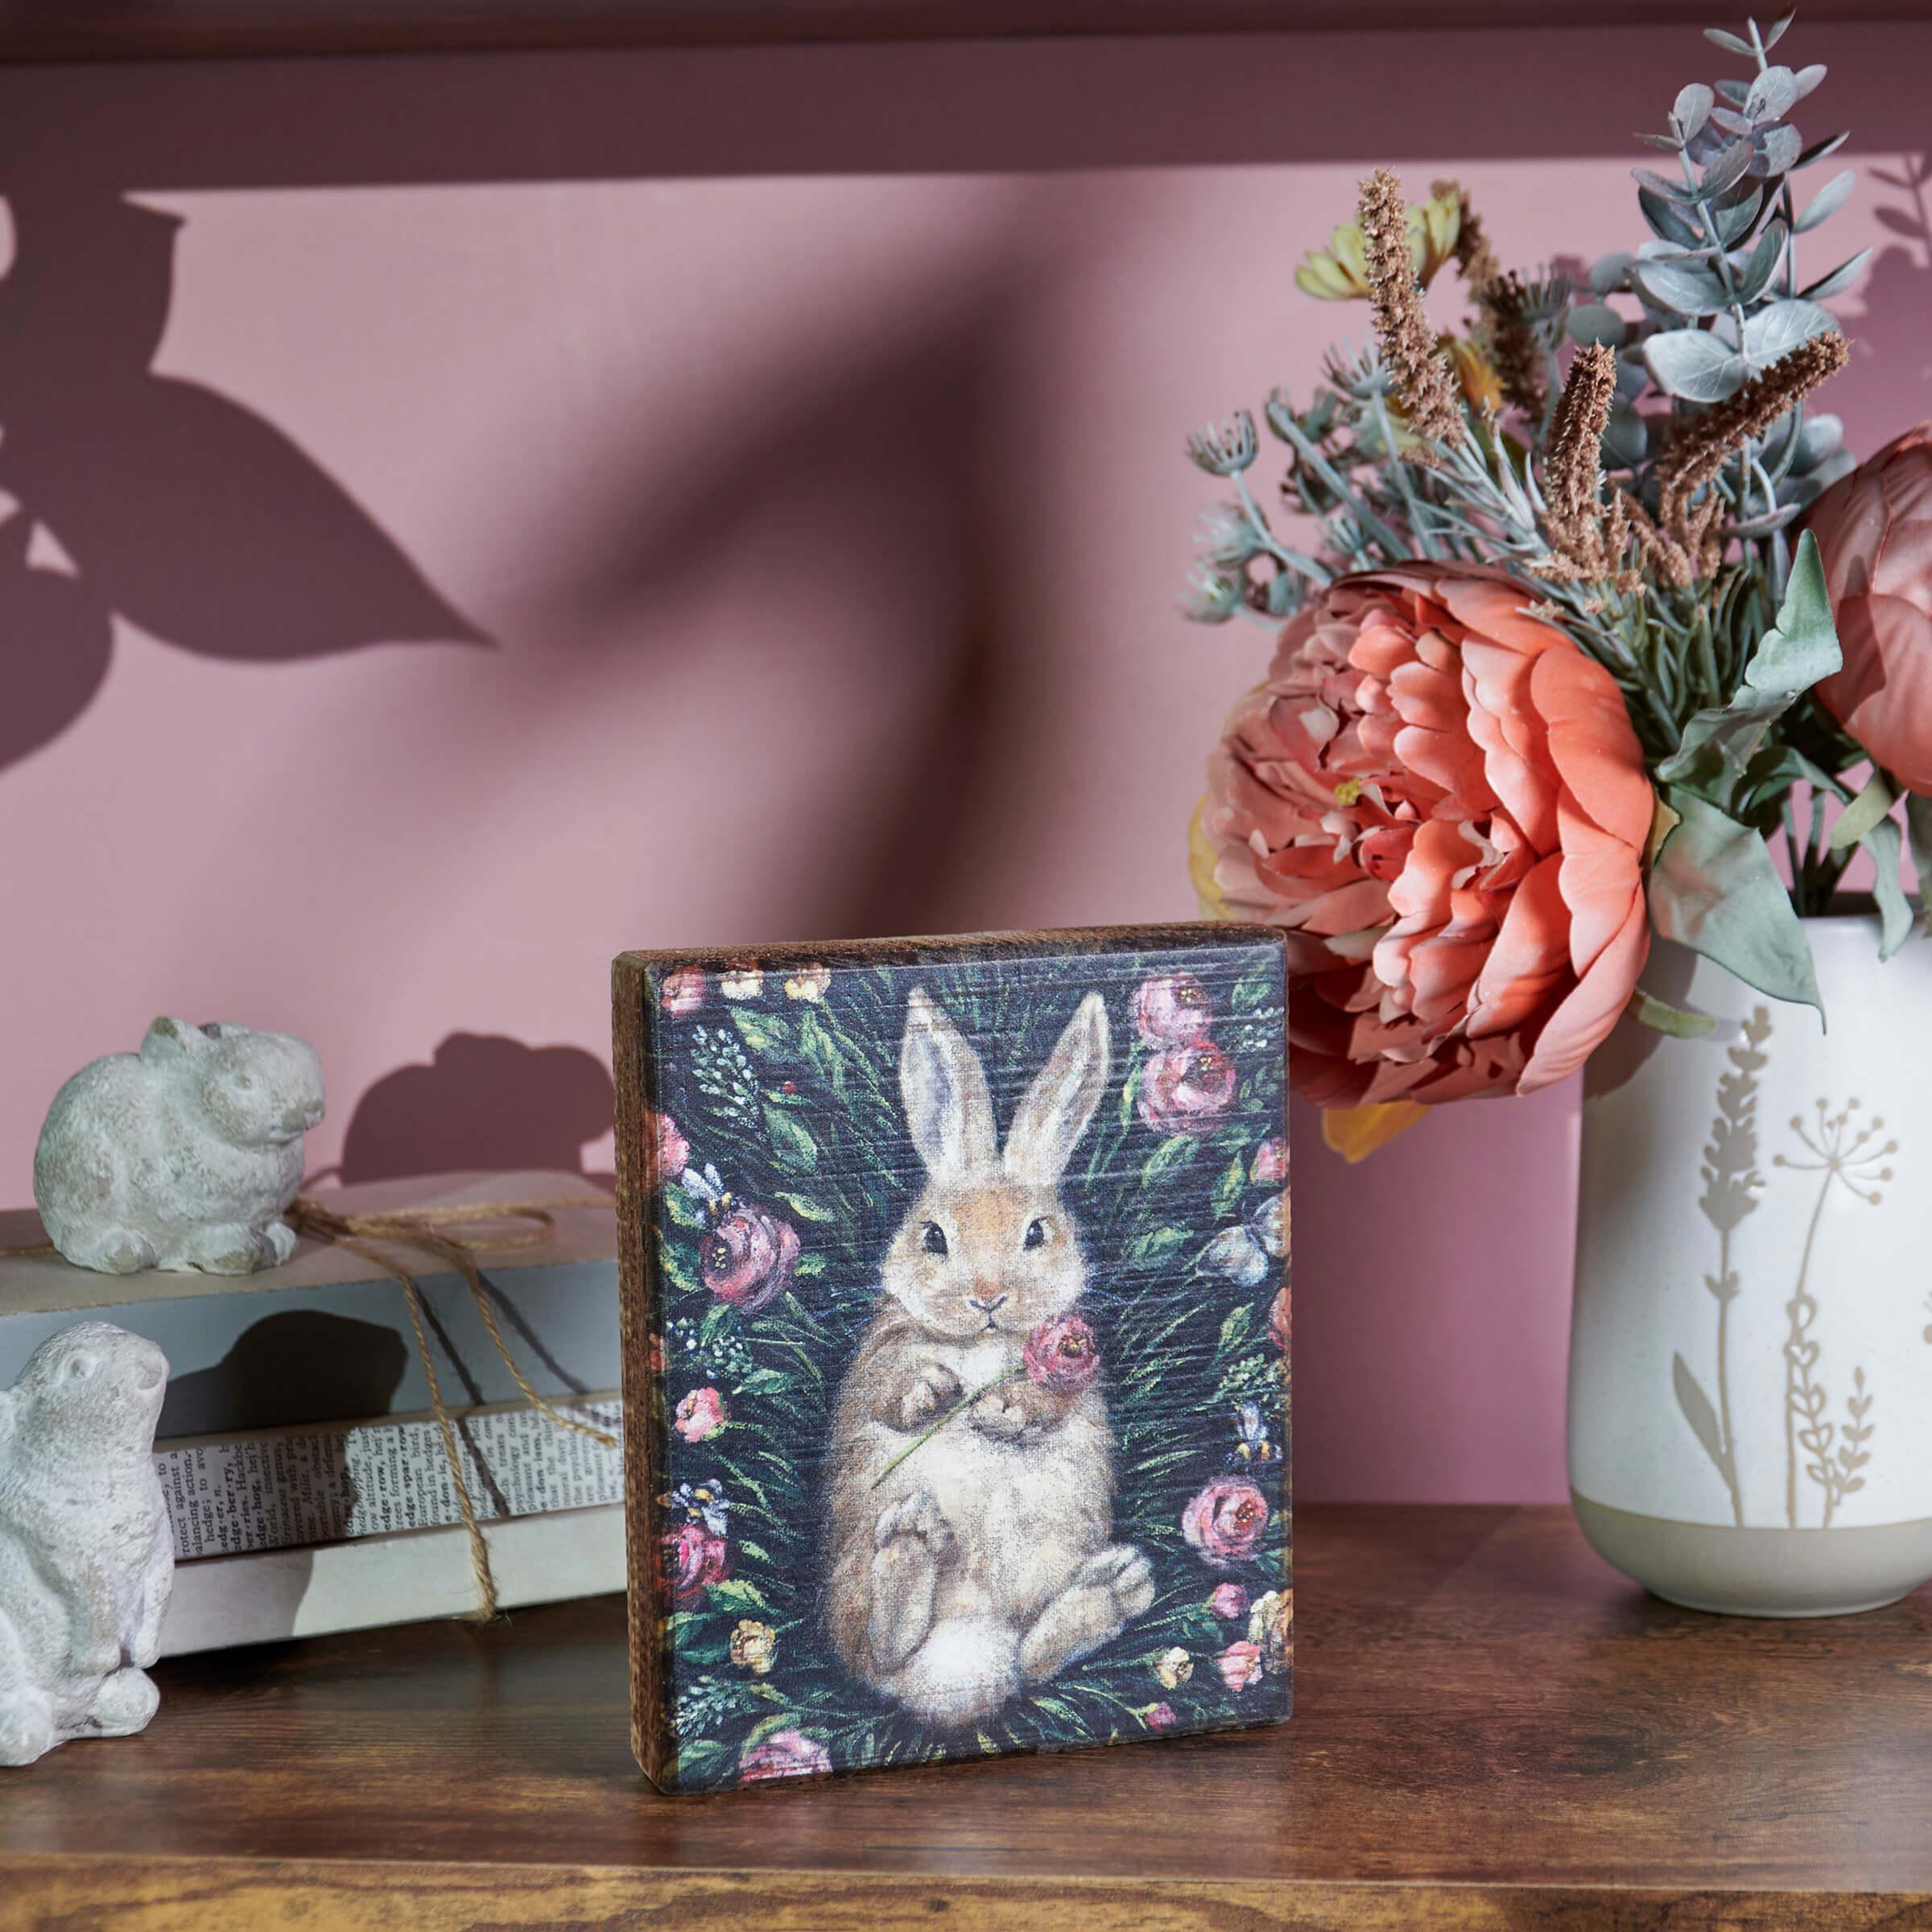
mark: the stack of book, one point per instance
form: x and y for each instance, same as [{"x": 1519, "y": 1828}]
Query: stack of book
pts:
[{"x": 307, "y": 1480}]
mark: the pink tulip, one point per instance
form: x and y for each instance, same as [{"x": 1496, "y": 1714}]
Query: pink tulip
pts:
[
  {"x": 682, "y": 990},
  {"x": 1239, "y": 1664},
  {"x": 1229, "y": 1600},
  {"x": 784, "y": 1754},
  {"x": 1160, "y": 1717},
  {"x": 1172, "y": 1009},
  {"x": 673, "y": 1150}
]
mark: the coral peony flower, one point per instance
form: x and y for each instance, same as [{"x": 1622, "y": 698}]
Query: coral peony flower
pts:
[
  {"x": 1159, "y": 1717},
  {"x": 1239, "y": 1664},
  {"x": 1874, "y": 531},
  {"x": 698, "y": 1559},
  {"x": 684, "y": 990},
  {"x": 1062, "y": 1355},
  {"x": 1229, "y": 1600},
  {"x": 784, "y": 1754},
  {"x": 1225, "y": 1521},
  {"x": 748, "y": 1258},
  {"x": 1271, "y": 1628},
  {"x": 1186, "y": 1089},
  {"x": 701, "y": 1414},
  {"x": 753, "y": 1646},
  {"x": 810, "y": 984},
  {"x": 673, "y": 1150},
  {"x": 1173, "y": 1666},
  {"x": 1270, "y": 1161},
  {"x": 745, "y": 982},
  {"x": 1441, "y": 798},
  {"x": 1172, "y": 1009}
]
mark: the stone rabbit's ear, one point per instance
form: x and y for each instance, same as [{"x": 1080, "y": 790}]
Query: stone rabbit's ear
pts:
[
  {"x": 10, "y": 1405},
  {"x": 171, "y": 1039}
]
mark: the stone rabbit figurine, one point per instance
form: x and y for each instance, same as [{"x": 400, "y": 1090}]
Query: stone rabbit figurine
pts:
[
  {"x": 183, "y": 1155},
  {"x": 87, "y": 1557},
  {"x": 985, "y": 1560}
]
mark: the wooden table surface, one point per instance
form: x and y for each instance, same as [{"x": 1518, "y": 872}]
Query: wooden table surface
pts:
[{"x": 1493, "y": 1729}]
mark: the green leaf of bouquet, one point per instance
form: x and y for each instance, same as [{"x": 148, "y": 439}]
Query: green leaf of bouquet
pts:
[
  {"x": 1647, "y": 1010},
  {"x": 1156, "y": 1245},
  {"x": 1234, "y": 1331},
  {"x": 812, "y": 1264},
  {"x": 682, "y": 1208},
  {"x": 1919, "y": 828},
  {"x": 1882, "y": 840},
  {"x": 761, "y": 1032},
  {"x": 734, "y": 1593},
  {"x": 1715, "y": 890},
  {"x": 1178, "y": 1151},
  {"x": 1228, "y": 1189},
  {"x": 807, "y": 1208},
  {"x": 790, "y": 1139},
  {"x": 1862, "y": 813},
  {"x": 1696, "y": 364},
  {"x": 1130, "y": 1088}
]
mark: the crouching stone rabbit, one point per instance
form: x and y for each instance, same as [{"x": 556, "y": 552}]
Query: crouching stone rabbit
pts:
[
  {"x": 984, "y": 1561},
  {"x": 183, "y": 1155},
  {"x": 86, "y": 1554}
]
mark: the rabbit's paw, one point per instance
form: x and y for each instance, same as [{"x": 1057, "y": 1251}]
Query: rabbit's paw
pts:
[
  {"x": 226, "y": 1248},
  {"x": 281, "y": 1240},
  {"x": 1124, "y": 1573},
  {"x": 124, "y": 1704},
  {"x": 928, "y": 1392},
  {"x": 915, "y": 1517},
  {"x": 994, "y": 1415},
  {"x": 26, "y": 1727},
  {"x": 1109, "y": 1591}
]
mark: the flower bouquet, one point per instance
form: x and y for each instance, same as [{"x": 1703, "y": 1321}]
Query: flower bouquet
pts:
[{"x": 1590, "y": 630}]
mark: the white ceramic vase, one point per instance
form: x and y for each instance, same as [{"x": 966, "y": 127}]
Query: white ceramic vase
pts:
[{"x": 1751, "y": 1358}]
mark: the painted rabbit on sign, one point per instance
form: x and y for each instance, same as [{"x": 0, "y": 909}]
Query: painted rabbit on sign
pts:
[
  {"x": 956, "y": 1335},
  {"x": 985, "y": 1558}
]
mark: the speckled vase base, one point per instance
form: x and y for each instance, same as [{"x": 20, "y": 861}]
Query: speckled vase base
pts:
[{"x": 1760, "y": 1572}]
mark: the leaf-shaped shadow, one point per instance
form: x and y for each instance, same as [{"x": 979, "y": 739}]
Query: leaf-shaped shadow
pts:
[
  {"x": 184, "y": 511},
  {"x": 55, "y": 641}
]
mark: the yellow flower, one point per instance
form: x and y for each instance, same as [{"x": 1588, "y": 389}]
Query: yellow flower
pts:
[
  {"x": 1174, "y": 1668},
  {"x": 809, "y": 984},
  {"x": 752, "y": 1646},
  {"x": 1271, "y": 1627},
  {"x": 1341, "y": 272},
  {"x": 1482, "y": 387}
]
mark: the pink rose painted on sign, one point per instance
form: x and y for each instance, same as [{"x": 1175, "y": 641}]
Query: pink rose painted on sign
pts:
[
  {"x": 673, "y": 1150},
  {"x": 1172, "y": 1009},
  {"x": 1186, "y": 1089},
  {"x": 784, "y": 1754},
  {"x": 701, "y": 1414},
  {"x": 1160, "y": 1717},
  {"x": 1225, "y": 1521},
  {"x": 1229, "y": 1600},
  {"x": 1062, "y": 1355},
  {"x": 749, "y": 1257},
  {"x": 696, "y": 1559},
  {"x": 1239, "y": 1664},
  {"x": 1270, "y": 1161},
  {"x": 684, "y": 990}
]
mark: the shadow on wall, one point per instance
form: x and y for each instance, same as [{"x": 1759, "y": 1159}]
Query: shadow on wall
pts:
[
  {"x": 485, "y": 1104},
  {"x": 155, "y": 498},
  {"x": 1889, "y": 383}
]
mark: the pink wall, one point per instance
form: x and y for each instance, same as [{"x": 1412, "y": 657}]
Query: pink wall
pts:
[{"x": 477, "y": 514}]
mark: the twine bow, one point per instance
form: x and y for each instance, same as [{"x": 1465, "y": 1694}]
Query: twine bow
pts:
[{"x": 423, "y": 1228}]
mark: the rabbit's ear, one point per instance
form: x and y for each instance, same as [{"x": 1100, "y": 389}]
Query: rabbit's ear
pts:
[
  {"x": 169, "y": 1039},
  {"x": 1061, "y": 1101},
  {"x": 947, "y": 1106}
]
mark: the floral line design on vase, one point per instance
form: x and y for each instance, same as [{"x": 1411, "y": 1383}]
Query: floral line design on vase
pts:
[
  {"x": 1844, "y": 1154},
  {"x": 1730, "y": 1182}
]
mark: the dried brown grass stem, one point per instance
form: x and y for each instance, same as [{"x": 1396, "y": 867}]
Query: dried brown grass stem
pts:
[{"x": 1423, "y": 384}]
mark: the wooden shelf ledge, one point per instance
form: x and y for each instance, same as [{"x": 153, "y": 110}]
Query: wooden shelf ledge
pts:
[{"x": 1493, "y": 1729}]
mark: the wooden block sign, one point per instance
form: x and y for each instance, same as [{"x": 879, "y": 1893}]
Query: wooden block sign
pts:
[{"x": 955, "y": 1331}]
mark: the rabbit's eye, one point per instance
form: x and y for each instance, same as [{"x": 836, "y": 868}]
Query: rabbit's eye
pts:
[
  {"x": 933, "y": 1238},
  {"x": 1036, "y": 1234},
  {"x": 81, "y": 1366}
]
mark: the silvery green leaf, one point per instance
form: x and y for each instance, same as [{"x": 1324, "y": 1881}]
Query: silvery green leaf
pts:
[
  {"x": 1665, "y": 220},
  {"x": 1839, "y": 279},
  {"x": 1730, "y": 43},
  {"x": 1715, "y": 890},
  {"x": 1764, "y": 525},
  {"x": 1669, "y": 143},
  {"x": 1727, "y": 170},
  {"x": 1821, "y": 436},
  {"x": 1665, "y": 189},
  {"x": 1778, "y": 151},
  {"x": 1593, "y": 322},
  {"x": 1610, "y": 273},
  {"x": 1693, "y": 107},
  {"x": 1632, "y": 378},
  {"x": 1626, "y": 440},
  {"x": 1777, "y": 31},
  {"x": 1763, "y": 265},
  {"x": 1894, "y": 909},
  {"x": 1826, "y": 202},
  {"x": 1689, "y": 292},
  {"x": 1735, "y": 92},
  {"x": 1695, "y": 365},
  {"x": 1777, "y": 329},
  {"x": 1730, "y": 122},
  {"x": 1817, "y": 151},
  {"x": 1772, "y": 95},
  {"x": 1734, "y": 223},
  {"x": 1862, "y": 813},
  {"x": 1707, "y": 143},
  {"x": 1801, "y": 647},
  {"x": 1808, "y": 77},
  {"x": 1919, "y": 828}
]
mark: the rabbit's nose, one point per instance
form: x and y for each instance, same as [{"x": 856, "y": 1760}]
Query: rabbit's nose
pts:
[{"x": 987, "y": 1308}]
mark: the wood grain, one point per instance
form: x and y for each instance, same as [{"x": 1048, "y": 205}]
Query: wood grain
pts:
[
  {"x": 129, "y": 29},
  {"x": 1493, "y": 1730}
]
